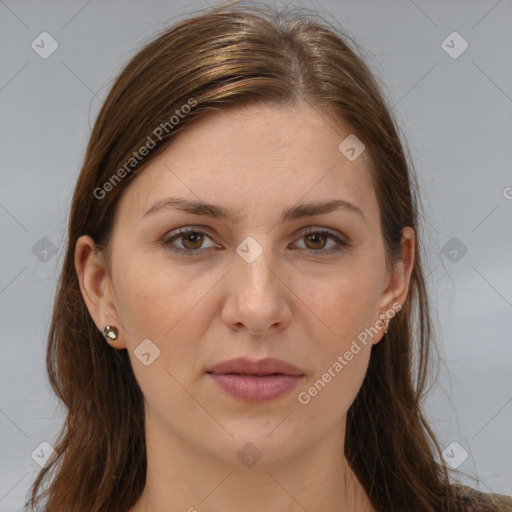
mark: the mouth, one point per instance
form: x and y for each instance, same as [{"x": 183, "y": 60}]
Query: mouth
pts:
[
  {"x": 263, "y": 367},
  {"x": 255, "y": 381}
]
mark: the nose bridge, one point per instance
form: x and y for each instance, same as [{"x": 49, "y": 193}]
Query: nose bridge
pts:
[
  {"x": 255, "y": 262},
  {"x": 256, "y": 299}
]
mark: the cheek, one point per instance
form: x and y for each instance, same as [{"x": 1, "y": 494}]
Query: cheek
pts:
[
  {"x": 159, "y": 302},
  {"x": 150, "y": 294},
  {"x": 334, "y": 389},
  {"x": 342, "y": 305},
  {"x": 342, "y": 366},
  {"x": 141, "y": 301},
  {"x": 155, "y": 309},
  {"x": 345, "y": 304}
]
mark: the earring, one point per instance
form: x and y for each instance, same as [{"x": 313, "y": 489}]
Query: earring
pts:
[
  {"x": 110, "y": 332},
  {"x": 387, "y": 323}
]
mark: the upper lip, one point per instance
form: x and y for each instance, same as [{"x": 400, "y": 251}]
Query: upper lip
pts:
[{"x": 267, "y": 366}]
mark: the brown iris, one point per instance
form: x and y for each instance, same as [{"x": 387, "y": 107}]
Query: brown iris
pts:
[
  {"x": 316, "y": 238},
  {"x": 196, "y": 240}
]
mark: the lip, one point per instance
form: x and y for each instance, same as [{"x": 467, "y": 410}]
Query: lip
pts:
[
  {"x": 267, "y": 366},
  {"x": 255, "y": 381}
]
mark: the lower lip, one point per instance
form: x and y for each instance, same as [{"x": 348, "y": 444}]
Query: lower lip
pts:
[{"x": 255, "y": 389}]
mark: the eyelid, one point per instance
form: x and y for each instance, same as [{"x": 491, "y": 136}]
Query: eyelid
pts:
[
  {"x": 177, "y": 233},
  {"x": 342, "y": 241}
]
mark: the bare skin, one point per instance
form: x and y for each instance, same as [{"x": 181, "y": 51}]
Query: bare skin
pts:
[{"x": 298, "y": 301}]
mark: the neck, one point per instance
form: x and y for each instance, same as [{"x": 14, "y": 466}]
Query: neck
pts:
[{"x": 179, "y": 477}]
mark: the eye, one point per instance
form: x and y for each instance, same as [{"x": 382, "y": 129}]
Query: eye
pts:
[
  {"x": 316, "y": 241},
  {"x": 192, "y": 241}
]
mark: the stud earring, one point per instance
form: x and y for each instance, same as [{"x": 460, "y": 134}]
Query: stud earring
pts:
[
  {"x": 387, "y": 323},
  {"x": 110, "y": 332}
]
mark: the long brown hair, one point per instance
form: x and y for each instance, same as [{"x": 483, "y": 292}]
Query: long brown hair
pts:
[{"x": 225, "y": 57}]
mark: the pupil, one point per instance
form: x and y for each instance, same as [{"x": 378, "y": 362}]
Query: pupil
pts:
[
  {"x": 194, "y": 238},
  {"x": 316, "y": 238}
]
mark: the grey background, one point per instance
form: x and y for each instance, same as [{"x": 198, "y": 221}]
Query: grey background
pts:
[{"x": 455, "y": 113}]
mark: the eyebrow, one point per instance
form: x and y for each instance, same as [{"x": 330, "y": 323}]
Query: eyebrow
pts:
[{"x": 219, "y": 212}]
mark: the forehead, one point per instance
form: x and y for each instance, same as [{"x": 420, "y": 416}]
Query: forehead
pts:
[{"x": 255, "y": 157}]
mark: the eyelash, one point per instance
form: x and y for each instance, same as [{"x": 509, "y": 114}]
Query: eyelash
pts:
[{"x": 193, "y": 253}]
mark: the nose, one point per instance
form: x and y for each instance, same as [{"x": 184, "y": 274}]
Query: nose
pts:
[{"x": 257, "y": 295}]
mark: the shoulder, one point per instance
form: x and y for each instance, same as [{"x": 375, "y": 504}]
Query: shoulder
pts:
[{"x": 466, "y": 499}]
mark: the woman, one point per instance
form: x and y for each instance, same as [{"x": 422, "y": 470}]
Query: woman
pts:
[{"x": 243, "y": 288}]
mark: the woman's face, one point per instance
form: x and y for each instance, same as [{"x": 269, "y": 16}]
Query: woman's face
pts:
[{"x": 253, "y": 283}]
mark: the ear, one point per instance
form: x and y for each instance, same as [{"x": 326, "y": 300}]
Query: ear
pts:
[
  {"x": 397, "y": 285},
  {"x": 96, "y": 287}
]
